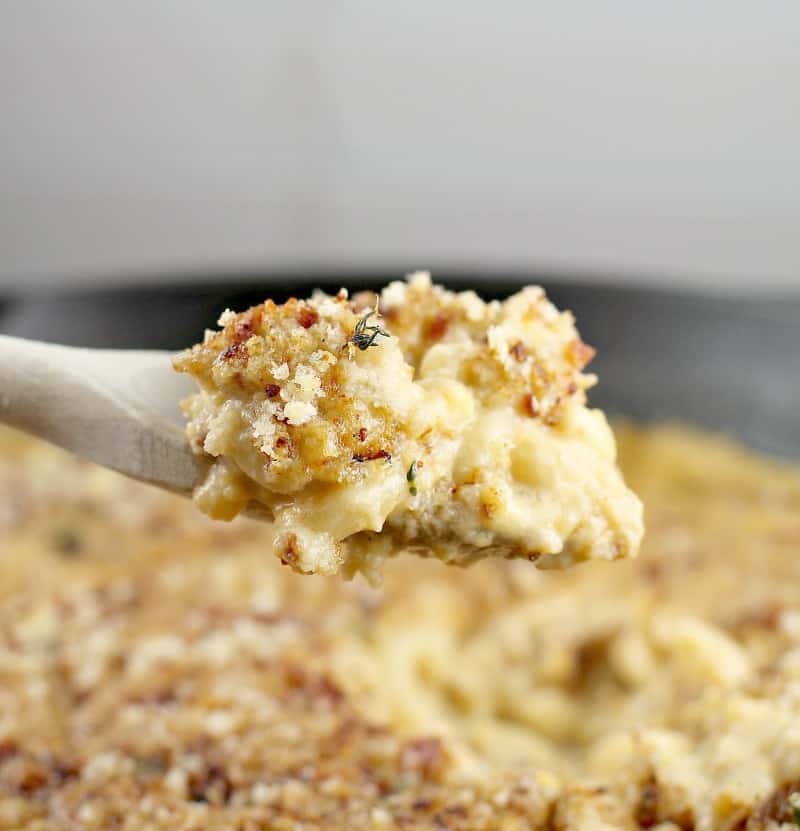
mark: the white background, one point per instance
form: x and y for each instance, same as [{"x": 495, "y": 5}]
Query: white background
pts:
[{"x": 638, "y": 139}]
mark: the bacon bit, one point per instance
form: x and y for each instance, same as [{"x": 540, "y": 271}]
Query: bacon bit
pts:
[
  {"x": 307, "y": 316},
  {"x": 290, "y": 553},
  {"x": 362, "y": 434},
  {"x": 235, "y": 351},
  {"x": 213, "y": 787},
  {"x": 530, "y": 405},
  {"x": 533, "y": 556},
  {"x": 421, "y": 804},
  {"x": 65, "y": 770},
  {"x": 370, "y": 457},
  {"x": 438, "y": 327},
  {"x": 519, "y": 351},
  {"x": 285, "y": 441},
  {"x": 384, "y": 786},
  {"x": 246, "y": 324},
  {"x": 572, "y": 388},
  {"x": 272, "y": 390},
  {"x": 426, "y": 755},
  {"x": 581, "y": 352},
  {"x": 33, "y": 778}
]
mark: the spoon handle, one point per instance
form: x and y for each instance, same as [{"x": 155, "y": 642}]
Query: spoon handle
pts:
[{"x": 118, "y": 408}]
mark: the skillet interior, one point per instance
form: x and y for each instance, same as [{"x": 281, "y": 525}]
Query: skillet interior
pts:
[{"x": 730, "y": 364}]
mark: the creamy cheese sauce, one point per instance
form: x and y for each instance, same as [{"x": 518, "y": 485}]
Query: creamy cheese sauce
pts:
[{"x": 446, "y": 425}]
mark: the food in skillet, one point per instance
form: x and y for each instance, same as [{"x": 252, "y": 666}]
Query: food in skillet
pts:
[
  {"x": 157, "y": 671},
  {"x": 423, "y": 420}
]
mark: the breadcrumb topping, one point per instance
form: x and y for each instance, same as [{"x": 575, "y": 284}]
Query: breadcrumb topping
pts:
[
  {"x": 315, "y": 409},
  {"x": 157, "y": 671}
]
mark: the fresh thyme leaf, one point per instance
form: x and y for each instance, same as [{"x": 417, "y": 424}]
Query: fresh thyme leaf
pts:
[
  {"x": 365, "y": 336},
  {"x": 67, "y": 541},
  {"x": 411, "y": 478}
]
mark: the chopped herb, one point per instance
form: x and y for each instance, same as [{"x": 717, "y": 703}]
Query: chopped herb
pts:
[
  {"x": 67, "y": 541},
  {"x": 149, "y": 765},
  {"x": 370, "y": 457},
  {"x": 794, "y": 803},
  {"x": 411, "y": 478},
  {"x": 365, "y": 336}
]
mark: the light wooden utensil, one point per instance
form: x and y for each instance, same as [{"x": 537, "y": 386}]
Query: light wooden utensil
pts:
[{"x": 119, "y": 408}]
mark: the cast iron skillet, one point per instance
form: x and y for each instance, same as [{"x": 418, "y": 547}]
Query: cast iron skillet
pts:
[{"x": 729, "y": 364}]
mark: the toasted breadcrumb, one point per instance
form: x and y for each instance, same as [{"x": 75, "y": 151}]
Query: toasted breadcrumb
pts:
[
  {"x": 157, "y": 671},
  {"x": 315, "y": 409}
]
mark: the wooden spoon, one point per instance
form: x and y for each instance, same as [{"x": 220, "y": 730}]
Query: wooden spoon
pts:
[{"x": 118, "y": 408}]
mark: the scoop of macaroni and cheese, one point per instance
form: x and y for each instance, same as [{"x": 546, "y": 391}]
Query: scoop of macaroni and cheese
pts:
[{"x": 419, "y": 420}]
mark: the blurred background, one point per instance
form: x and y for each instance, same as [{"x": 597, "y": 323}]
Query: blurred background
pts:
[{"x": 634, "y": 141}]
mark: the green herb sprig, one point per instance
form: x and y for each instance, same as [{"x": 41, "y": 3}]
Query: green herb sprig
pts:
[
  {"x": 411, "y": 478},
  {"x": 365, "y": 336}
]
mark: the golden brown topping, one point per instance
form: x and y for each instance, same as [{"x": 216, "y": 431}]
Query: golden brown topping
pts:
[
  {"x": 530, "y": 405},
  {"x": 519, "y": 351},
  {"x": 237, "y": 351},
  {"x": 307, "y": 316},
  {"x": 581, "y": 353},
  {"x": 298, "y": 414},
  {"x": 141, "y": 683},
  {"x": 437, "y": 328}
]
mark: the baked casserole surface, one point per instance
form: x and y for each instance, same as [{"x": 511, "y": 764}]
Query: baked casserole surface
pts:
[{"x": 159, "y": 671}]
